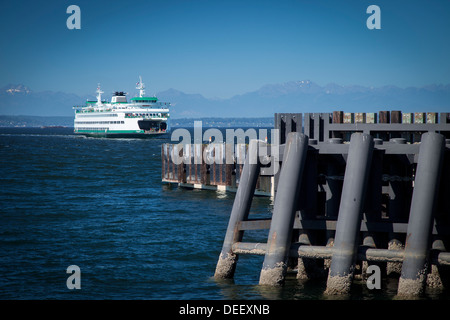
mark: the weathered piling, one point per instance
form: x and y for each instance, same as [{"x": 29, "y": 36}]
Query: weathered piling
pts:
[
  {"x": 280, "y": 234},
  {"x": 414, "y": 268},
  {"x": 350, "y": 212},
  {"x": 226, "y": 264}
]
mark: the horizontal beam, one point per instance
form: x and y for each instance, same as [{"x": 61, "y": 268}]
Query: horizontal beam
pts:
[
  {"x": 255, "y": 224},
  {"x": 377, "y": 127},
  {"x": 323, "y": 224},
  {"x": 365, "y": 253}
]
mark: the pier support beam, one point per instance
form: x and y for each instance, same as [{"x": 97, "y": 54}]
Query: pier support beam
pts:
[
  {"x": 226, "y": 264},
  {"x": 414, "y": 268},
  {"x": 357, "y": 171},
  {"x": 280, "y": 235}
]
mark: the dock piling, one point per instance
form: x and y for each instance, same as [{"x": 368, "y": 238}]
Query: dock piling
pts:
[
  {"x": 414, "y": 269},
  {"x": 350, "y": 212},
  {"x": 226, "y": 264},
  {"x": 280, "y": 234}
]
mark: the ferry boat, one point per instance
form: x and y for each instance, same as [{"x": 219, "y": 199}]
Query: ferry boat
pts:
[{"x": 142, "y": 116}]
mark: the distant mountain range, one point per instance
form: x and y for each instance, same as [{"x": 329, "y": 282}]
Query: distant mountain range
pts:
[
  {"x": 209, "y": 122},
  {"x": 306, "y": 96},
  {"x": 294, "y": 96}
]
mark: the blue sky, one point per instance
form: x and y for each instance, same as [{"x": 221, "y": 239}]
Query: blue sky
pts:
[{"x": 222, "y": 48}]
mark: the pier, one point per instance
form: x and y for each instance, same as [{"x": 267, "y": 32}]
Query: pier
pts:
[{"x": 350, "y": 190}]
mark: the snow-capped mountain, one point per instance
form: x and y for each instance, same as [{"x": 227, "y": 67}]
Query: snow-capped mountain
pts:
[
  {"x": 21, "y": 100},
  {"x": 16, "y": 89}
]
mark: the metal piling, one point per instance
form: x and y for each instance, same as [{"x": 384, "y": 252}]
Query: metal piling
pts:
[
  {"x": 414, "y": 269},
  {"x": 350, "y": 212},
  {"x": 280, "y": 234},
  {"x": 226, "y": 264}
]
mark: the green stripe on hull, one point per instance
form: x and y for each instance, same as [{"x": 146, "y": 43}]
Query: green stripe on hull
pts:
[
  {"x": 120, "y": 134},
  {"x": 109, "y": 131}
]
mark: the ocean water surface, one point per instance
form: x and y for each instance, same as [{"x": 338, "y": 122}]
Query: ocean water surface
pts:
[{"x": 99, "y": 204}]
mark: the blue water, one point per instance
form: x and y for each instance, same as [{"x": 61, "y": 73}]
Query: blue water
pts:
[{"x": 99, "y": 204}]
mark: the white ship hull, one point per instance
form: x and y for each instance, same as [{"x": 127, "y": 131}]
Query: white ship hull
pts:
[
  {"x": 113, "y": 123},
  {"x": 142, "y": 117}
]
